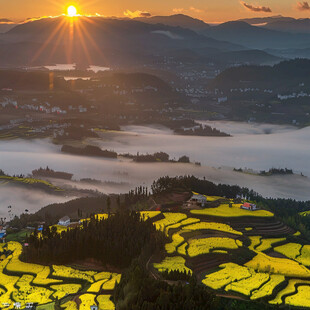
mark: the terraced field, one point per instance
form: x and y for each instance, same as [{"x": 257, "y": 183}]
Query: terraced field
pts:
[
  {"x": 31, "y": 283},
  {"x": 244, "y": 256},
  {"x": 240, "y": 253},
  {"x": 4, "y": 180}
]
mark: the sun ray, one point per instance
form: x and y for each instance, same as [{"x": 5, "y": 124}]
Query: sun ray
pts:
[
  {"x": 45, "y": 44},
  {"x": 89, "y": 37},
  {"x": 83, "y": 43}
]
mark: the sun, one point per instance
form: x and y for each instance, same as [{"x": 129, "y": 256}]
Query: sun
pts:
[{"x": 71, "y": 11}]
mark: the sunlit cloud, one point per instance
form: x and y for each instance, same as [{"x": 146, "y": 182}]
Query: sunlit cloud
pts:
[
  {"x": 303, "y": 6},
  {"x": 253, "y": 8},
  {"x": 187, "y": 10},
  {"x": 134, "y": 14},
  {"x": 178, "y": 10},
  {"x": 193, "y": 9}
]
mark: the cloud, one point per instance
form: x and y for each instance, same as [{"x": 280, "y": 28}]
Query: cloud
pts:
[
  {"x": 193, "y": 9},
  {"x": 190, "y": 9},
  {"x": 178, "y": 10},
  {"x": 134, "y": 14},
  {"x": 303, "y": 6},
  {"x": 256, "y": 8}
]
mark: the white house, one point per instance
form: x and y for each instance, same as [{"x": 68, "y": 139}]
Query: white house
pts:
[
  {"x": 64, "y": 221},
  {"x": 198, "y": 198},
  {"x": 222, "y": 99},
  {"x": 94, "y": 307}
]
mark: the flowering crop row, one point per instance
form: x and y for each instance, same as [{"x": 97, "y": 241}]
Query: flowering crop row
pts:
[{"x": 206, "y": 245}]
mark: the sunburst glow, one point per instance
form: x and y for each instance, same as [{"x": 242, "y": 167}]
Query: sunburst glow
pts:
[{"x": 71, "y": 11}]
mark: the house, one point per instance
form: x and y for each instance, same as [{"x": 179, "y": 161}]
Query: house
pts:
[
  {"x": 2, "y": 234},
  {"x": 249, "y": 206},
  {"x": 94, "y": 307},
  {"x": 64, "y": 221},
  {"x": 31, "y": 306},
  {"x": 199, "y": 199}
]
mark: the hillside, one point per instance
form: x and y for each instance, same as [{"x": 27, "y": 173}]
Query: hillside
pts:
[
  {"x": 255, "y": 37},
  {"x": 283, "y": 76},
  {"x": 256, "y": 57},
  {"x": 108, "y": 41},
  {"x": 263, "y": 20},
  {"x": 177, "y": 20},
  {"x": 23, "y": 80},
  {"x": 292, "y": 26}
]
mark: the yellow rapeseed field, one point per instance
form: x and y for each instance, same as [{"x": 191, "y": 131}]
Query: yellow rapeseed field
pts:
[
  {"x": 170, "y": 219},
  {"x": 62, "y": 290},
  {"x": 172, "y": 263},
  {"x": 255, "y": 241},
  {"x": 177, "y": 239},
  {"x": 268, "y": 288},
  {"x": 264, "y": 263},
  {"x": 105, "y": 303},
  {"x": 87, "y": 300},
  {"x": 95, "y": 287},
  {"x": 206, "y": 245},
  {"x": 229, "y": 273},
  {"x": 68, "y": 272},
  {"x": 225, "y": 211},
  {"x": 289, "y": 289},
  {"x": 70, "y": 305},
  {"x": 213, "y": 226},
  {"x": 301, "y": 298},
  {"x": 266, "y": 244},
  {"x": 110, "y": 284},
  {"x": 247, "y": 285},
  {"x": 30, "y": 293},
  {"x": 183, "y": 223},
  {"x": 290, "y": 250}
]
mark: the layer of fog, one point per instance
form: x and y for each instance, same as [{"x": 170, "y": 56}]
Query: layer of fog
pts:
[
  {"x": 22, "y": 199},
  {"x": 284, "y": 147}
]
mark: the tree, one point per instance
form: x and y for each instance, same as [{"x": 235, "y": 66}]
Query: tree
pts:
[{"x": 109, "y": 205}]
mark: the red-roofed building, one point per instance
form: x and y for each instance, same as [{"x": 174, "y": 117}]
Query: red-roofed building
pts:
[{"x": 249, "y": 206}]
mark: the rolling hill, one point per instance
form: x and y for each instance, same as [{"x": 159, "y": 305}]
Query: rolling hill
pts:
[
  {"x": 98, "y": 40},
  {"x": 282, "y": 76},
  {"x": 255, "y": 37},
  {"x": 177, "y": 20},
  {"x": 292, "y": 26}
]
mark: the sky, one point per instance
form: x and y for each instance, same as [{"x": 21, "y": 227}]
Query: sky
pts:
[{"x": 207, "y": 10}]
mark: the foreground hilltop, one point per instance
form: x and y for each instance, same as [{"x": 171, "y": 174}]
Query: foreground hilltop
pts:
[{"x": 231, "y": 250}]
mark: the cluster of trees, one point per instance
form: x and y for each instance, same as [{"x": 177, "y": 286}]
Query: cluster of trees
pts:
[
  {"x": 138, "y": 291},
  {"x": 156, "y": 157},
  {"x": 114, "y": 241},
  {"x": 88, "y": 150},
  {"x": 283, "y": 76},
  {"x": 274, "y": 171},
  {"x": 176, "y": 275},
  {"x": 191, "y": 183},
  {"x": 26, "y": 80},
  {"x": 205, "y": 130}
]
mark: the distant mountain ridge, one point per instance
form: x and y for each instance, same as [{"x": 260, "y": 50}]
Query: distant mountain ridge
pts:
[
  {"x": 292, "y": 26},
  {"x": 254, "y": 37},
  {"x": 263, "y": 20},
  {"x": 111, "y": 40},
  {"x": 177, "y": 20}
]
